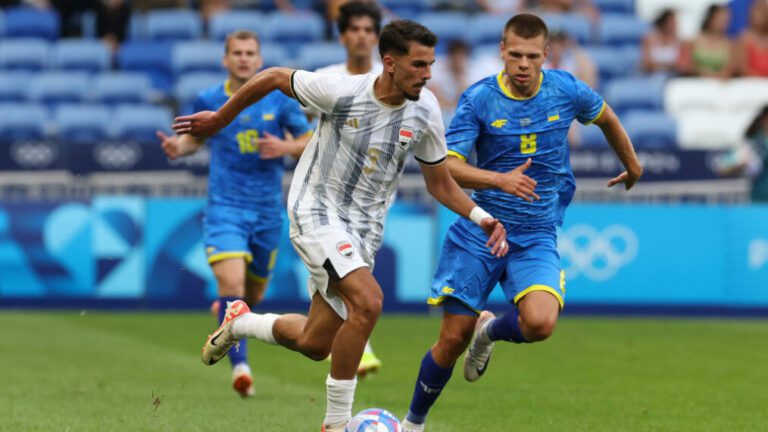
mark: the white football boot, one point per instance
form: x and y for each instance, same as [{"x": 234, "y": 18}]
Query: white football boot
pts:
[
  {"x": 219, "y": 343},
  {"x": 479, "y": 353}
]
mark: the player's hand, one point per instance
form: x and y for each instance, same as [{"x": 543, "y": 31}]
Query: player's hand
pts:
[
  {"x": 497, "y": 236},
  {"x": 629, "y": 178},
  {"x": 170, "y": 145},
  {"x": 272, "y": 147},
  {"x": 517, "y": 183},
  {"x": 203, "y": 123}
]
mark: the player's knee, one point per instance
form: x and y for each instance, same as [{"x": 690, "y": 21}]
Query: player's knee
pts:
[
  {"x": 314, "y": 350},
  {"x": 540, "y": 328},
  {"x": 366, "y": 310},
  {"x": 231, "y": 287},
  {"x": 453, "y": 344}
]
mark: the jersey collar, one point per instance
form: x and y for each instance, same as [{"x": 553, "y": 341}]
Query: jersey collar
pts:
[
  {"x": 227, "y": 89},
  {"x": 500, "y": 81}
]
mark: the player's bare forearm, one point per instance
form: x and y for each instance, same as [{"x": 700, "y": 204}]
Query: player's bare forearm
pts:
[
  {"x": 260, "y": 85},
  {"x": 189, "y": 144},
  {"x": 470, "y": 177},
  {"x": 299, "y": 144},
  {"x": 444, "y": 188},
  {"x": 619, "y": 140}
]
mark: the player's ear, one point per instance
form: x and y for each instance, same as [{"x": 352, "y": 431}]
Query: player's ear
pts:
[{"x": 388, "y": 63}]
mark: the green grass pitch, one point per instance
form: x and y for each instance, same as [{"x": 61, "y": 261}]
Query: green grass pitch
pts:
[{"x": 67, "y": 371}]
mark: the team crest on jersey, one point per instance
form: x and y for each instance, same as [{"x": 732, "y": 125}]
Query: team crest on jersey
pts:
[
  {"x": 406, "y": 135},
  {"x": 345, "y": 249}
]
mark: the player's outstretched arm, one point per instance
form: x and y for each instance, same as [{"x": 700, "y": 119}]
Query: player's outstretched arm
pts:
[
  {"x": 514, "y": 182},
  {"x": 207, "y": 123},
  {"x": 444, "y": 188},
  {"x": 176, "y": 146},
  {"x": 272, "y": 147},
  {"x": 618, "y": 139}
]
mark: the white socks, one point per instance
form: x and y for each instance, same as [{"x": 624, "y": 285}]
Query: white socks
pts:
[
  {"x": 340, "y": 395},
  {"x": 255, "y": 326}
]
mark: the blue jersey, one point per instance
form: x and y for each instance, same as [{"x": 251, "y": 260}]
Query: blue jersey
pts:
[
  {"x": 506, "y": 130},
  {"x": 238, "y": 176}
]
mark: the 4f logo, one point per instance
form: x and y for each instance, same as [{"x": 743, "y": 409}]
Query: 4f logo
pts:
[{"x": 498, "y": 124}]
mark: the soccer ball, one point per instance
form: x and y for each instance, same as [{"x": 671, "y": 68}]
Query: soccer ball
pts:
[{"x": 374, "y": 420}]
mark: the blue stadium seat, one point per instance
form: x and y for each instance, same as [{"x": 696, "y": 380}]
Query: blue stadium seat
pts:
[
  {"x": 321, "y": 54},
  {"x": 407, "y": 9},
  {"x": 29, "y": 22},
  {"x": 2, "y": 24},
  {"x": 592, "y": 137},
  {"x": 188, "y": 86},
  {"x": 122, "y": 87},
  {"x": 13, "y": 86},
  {"x": 577, "y": 26},
  {"x": 140, "y": 122},
  {"x": 55, "y": 88},
  {"x": 22, "y": 122},
  {"x": 642, "y": 92},
  {"x": 224, "y": 23},
  {"x": 448, "y": 26},
  {"x": 198, "y": 56},
  {"x": 82, "y": 124},
  {"x": 486, "y": 29},
  {"x": 622, "y": 29},
  {"x": 29, "y": 55},
  {"x": 294, "y": 29},
  {"x": 174, "y": 25},
  {"x": 81, "y": 55},
  {"x": 615, "y": 6},
  {"x": 274, "y": 54},
  {"x": 651, "y": 130},
  {"x": 151, "y": 58}
]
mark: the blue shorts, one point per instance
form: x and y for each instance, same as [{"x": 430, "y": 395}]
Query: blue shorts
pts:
[
  {"x": 467, "y": 271},
  {"x": 232, "y": 232}
]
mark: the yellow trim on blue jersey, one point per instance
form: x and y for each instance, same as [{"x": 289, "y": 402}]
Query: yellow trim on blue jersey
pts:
[
  {"x": 227, "y": 89},
  {"x": 309, "y": 133},
  {"x": 457, "y": 154},
  {"x": 508, "y": 92},
  {"x": 600, "y": 114},
  {"x": 272, "y": 260},
  {"x": 562, "y": 281},
  {"x": 227, "y": 255},
  {"x": 548, "y": 289},
  {"x": 432, "y": 301},
  {"x": 255, "y": 277}
]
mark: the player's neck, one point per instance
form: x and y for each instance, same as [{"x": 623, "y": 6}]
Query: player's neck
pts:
[
  {"x": 387, "y": 92},
  {"x": 359, "y": 65}
]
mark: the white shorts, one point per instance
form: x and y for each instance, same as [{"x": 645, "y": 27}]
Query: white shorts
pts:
[{"x": 330, "y": 251}]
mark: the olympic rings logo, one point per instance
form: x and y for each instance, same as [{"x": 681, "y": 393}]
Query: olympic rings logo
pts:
[{"x": 597, "y": 255}]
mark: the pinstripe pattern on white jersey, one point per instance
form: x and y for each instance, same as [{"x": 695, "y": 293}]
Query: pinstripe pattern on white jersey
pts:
[{"x": 353, "y": 163}]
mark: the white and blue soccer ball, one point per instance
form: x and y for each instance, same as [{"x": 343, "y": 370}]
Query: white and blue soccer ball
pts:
[{"x": 374, "y": 420}]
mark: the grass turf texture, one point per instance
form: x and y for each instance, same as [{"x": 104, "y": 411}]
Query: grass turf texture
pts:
[{"x": 105, "y": 371}]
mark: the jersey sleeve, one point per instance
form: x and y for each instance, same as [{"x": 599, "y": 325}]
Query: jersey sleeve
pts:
[
  {"x": 464, "y": 129},
  {"x": 200, "y": 103},
  {"x": 293, "y": 118},
  {"x": 316, "y": 91},
  {"x": 589, "y": 105},
  {"x": 432, "y": 149}
]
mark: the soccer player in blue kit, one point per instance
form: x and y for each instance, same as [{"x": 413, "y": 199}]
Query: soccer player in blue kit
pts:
[
  {"x": 244, "y": 214},
  {"x": 517, "y": 122}
]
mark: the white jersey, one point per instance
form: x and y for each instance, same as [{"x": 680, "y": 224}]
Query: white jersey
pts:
[
  {"x": 352, "y": 165},
  {"x": 341, "y": 69}
]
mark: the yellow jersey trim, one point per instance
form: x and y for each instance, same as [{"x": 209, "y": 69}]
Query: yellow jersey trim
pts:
[
  {"x": 457, "y": 154},
  {"x": 437, "y": 301},
  {"x": 600, "y": 114},
  {"x": 548, "y": 289},
  {"x": 508, "y": 92},
  {"x": 255, "y": 277},
  {"x": 227, "y": 89},
  {"x": 227, "y": 255},
  {"x": 272, "y": 260}
]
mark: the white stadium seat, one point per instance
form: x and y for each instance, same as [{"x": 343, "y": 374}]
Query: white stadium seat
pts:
[
  {"x": 685, "y": 94},
  {"x": 710, "y": 130},
  {"x": 746, "y": 94}
]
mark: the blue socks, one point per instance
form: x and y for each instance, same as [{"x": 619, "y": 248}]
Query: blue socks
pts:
[
  {"x": 432, "y": 378},
  {"x": 507, "y": 328},
  {"x": 236, "y": 356}
]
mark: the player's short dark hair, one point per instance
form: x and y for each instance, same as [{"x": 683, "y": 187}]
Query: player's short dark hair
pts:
[
  {"x": 396, "y": 36},
  {"x": 359, "y": 8},
  {"x": 527, "y": 26},
  {"x": 241, "y": 35}
]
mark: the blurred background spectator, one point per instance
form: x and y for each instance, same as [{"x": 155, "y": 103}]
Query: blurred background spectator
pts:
[
  {"x": 710, "y": 54},
  {"x": 753, "y": 44},
  {"x": 450, "y": 76},
  {"x": 661, "y": 46},
  {"x": 565, "y": 54}
]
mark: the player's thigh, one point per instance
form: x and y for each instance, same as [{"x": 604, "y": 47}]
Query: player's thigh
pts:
[
  {"x": 466, "y": 270},
  {"x": 360, "y": 291},
  {"x": 230, "y": 276},
  {"x": 535, "y": 268}
]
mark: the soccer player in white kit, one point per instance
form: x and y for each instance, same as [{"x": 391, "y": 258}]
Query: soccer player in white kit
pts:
[{"x": 338, "y": 199}]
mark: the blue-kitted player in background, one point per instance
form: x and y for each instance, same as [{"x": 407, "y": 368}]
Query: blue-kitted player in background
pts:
[
  {"x": 244, "y": 215},
  {"x": 517, "y": 122}
]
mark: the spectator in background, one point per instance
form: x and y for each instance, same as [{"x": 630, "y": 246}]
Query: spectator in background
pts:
[
  {"x": 710, "y": 54},
  {"x": 450, "y": 77},
  {"x": 661, "y": 46},
  {"x": 565, "y": 54},
  {"x": 145, "y": 5},
  {"x": 112, "y": 17},
  {"x": 750, "y": 160},
  {"x": 753, "y": 44},
  {"x": 543, "y": 7}
]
